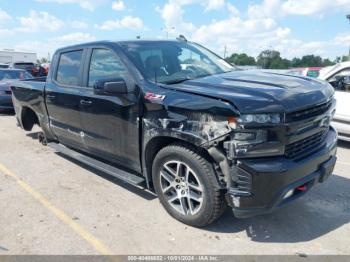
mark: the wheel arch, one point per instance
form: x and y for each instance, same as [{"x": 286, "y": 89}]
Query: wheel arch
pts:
[
  {"x": 157, "y": 143},
  {"x": 29, "y": 118}
]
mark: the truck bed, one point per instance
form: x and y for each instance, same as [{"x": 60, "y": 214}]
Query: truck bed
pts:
[{"x": 29, "y": 95}]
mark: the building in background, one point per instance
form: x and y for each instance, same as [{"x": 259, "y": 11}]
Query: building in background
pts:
[{"x": 8, "y": 56}]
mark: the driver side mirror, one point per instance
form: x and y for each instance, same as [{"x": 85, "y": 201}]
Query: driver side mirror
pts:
[{"x": 113, "y": 86}]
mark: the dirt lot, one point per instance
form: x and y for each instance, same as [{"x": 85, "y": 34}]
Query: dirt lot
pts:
[{"x": 51, "y": 205}]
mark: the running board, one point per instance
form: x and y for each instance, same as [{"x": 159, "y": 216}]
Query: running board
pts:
[{"x": 96, "y": 164}]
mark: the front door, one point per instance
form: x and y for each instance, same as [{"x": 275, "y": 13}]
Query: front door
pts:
[{"x": 110, "y": 122}]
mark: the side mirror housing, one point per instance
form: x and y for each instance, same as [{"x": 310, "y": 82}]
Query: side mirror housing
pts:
[
  {"x": 113, "y": 86},
  {"x": 346, "y": 80}
]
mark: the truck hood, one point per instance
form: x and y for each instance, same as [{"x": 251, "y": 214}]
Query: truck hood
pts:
[{"x": 254, "y": 91}]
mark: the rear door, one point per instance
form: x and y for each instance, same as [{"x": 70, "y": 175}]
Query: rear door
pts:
[
  {"x": 63, "y": 95},
  {"x": 110, "y": 122}
]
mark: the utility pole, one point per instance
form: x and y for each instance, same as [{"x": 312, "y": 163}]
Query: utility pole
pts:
[
  {"x": 167, "y": 30},
  {"x": 348, "y": 17},
  {"x": 225, "y": 51}
]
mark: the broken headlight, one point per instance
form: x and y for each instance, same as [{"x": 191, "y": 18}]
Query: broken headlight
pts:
[
  {"x": 251, "y": 143},
  {"x": 259, "y": 119}
]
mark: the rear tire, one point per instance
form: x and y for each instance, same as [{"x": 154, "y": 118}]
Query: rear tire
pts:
[{"x": 186, "y": 185}]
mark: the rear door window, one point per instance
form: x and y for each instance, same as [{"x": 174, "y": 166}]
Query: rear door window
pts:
[{"x": 69, "y": 67}]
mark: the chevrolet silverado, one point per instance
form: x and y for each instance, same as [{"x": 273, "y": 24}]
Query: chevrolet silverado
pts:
[{"x": 177, "y": 119}]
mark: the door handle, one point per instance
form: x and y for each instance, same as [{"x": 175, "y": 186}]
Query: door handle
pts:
[
  {"x": 50, "y": 97},
  {"x": 85, "y": 102}
]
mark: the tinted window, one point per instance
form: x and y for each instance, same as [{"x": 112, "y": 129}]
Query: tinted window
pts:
[
  {"x": 173, "y": 61},
  {"x": 341, "y": 80},
  {"x": 68, "y": 68},
  {"x": 14, "y": 74},
  {"x": 105, "y": 64}
]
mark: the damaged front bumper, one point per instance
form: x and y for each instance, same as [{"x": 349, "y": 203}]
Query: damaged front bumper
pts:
[{"x": 264, "y": 184}]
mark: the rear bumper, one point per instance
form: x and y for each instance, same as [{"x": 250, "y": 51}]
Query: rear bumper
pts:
[
  {"x": 278, "y": 181},
  {"x": 6, "y": 102}
]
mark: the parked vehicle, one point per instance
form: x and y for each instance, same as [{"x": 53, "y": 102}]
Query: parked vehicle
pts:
[
  {"x": 339, "y": 77},
  {"x": 176, "y": 118},
  {"x": 7, "y": 76},
  {"x": 44, "y": 69},
  {"x": 305, "y": 71},
  {"x": 4, "y": 66},
  {"x": 31, "y": 68}
]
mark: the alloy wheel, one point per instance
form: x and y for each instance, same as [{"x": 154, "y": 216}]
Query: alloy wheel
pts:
[{"x": 181, "y": 187}]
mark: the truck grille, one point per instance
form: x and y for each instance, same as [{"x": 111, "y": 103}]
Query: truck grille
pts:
[
  {"x": 306, "y": 146},
  {"x": 309, "y": 112}
]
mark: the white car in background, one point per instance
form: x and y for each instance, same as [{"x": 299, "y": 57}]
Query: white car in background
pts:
[{"x": 339, "y": 77}]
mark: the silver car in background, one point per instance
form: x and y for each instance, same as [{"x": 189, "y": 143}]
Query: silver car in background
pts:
[{"x": 7, "y": 77}]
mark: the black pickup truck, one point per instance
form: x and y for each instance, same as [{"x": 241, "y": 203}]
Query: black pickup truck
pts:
[{"x": 175, "y": 118}]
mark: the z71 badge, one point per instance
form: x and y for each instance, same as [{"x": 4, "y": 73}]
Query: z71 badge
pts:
[{"x": 154, "y": 97}]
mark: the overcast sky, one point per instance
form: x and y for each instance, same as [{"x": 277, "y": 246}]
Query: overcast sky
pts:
[{"x": 293, "y": 27}]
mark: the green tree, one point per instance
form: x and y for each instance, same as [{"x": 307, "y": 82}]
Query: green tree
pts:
[
  {"x": 271, "y": 59},
  {"x": 311, "y": 61},
  {"x": 42, "y": 60},
  {"x": 241, "y": 59},
  {"x": 345, "y": 58},
  {"x": 296, "y": 62},
  {"x": 327, "y": 62}
]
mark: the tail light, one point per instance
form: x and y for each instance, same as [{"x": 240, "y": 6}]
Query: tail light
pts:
[
  {"x": 34, "y": 71},
  {"x": 302, "y": 188}
]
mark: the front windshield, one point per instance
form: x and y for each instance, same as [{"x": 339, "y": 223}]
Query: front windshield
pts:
[
  {"x": 14, "y": 74},
  {"x": 172, "y": 62}
]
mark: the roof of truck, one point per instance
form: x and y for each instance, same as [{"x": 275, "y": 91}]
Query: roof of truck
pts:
[{"x": 109, "y": 42}]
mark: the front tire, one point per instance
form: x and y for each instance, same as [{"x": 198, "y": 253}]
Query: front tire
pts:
[{"x": 186, "y": 185}]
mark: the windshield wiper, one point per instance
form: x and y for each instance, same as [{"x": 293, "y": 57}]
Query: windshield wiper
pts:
[
  {"x": 177, "y": 81},
  {"x": 183, "y": 79}
]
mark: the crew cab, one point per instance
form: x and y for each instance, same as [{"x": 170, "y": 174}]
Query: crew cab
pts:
[{"x": 177, "y": 119}]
